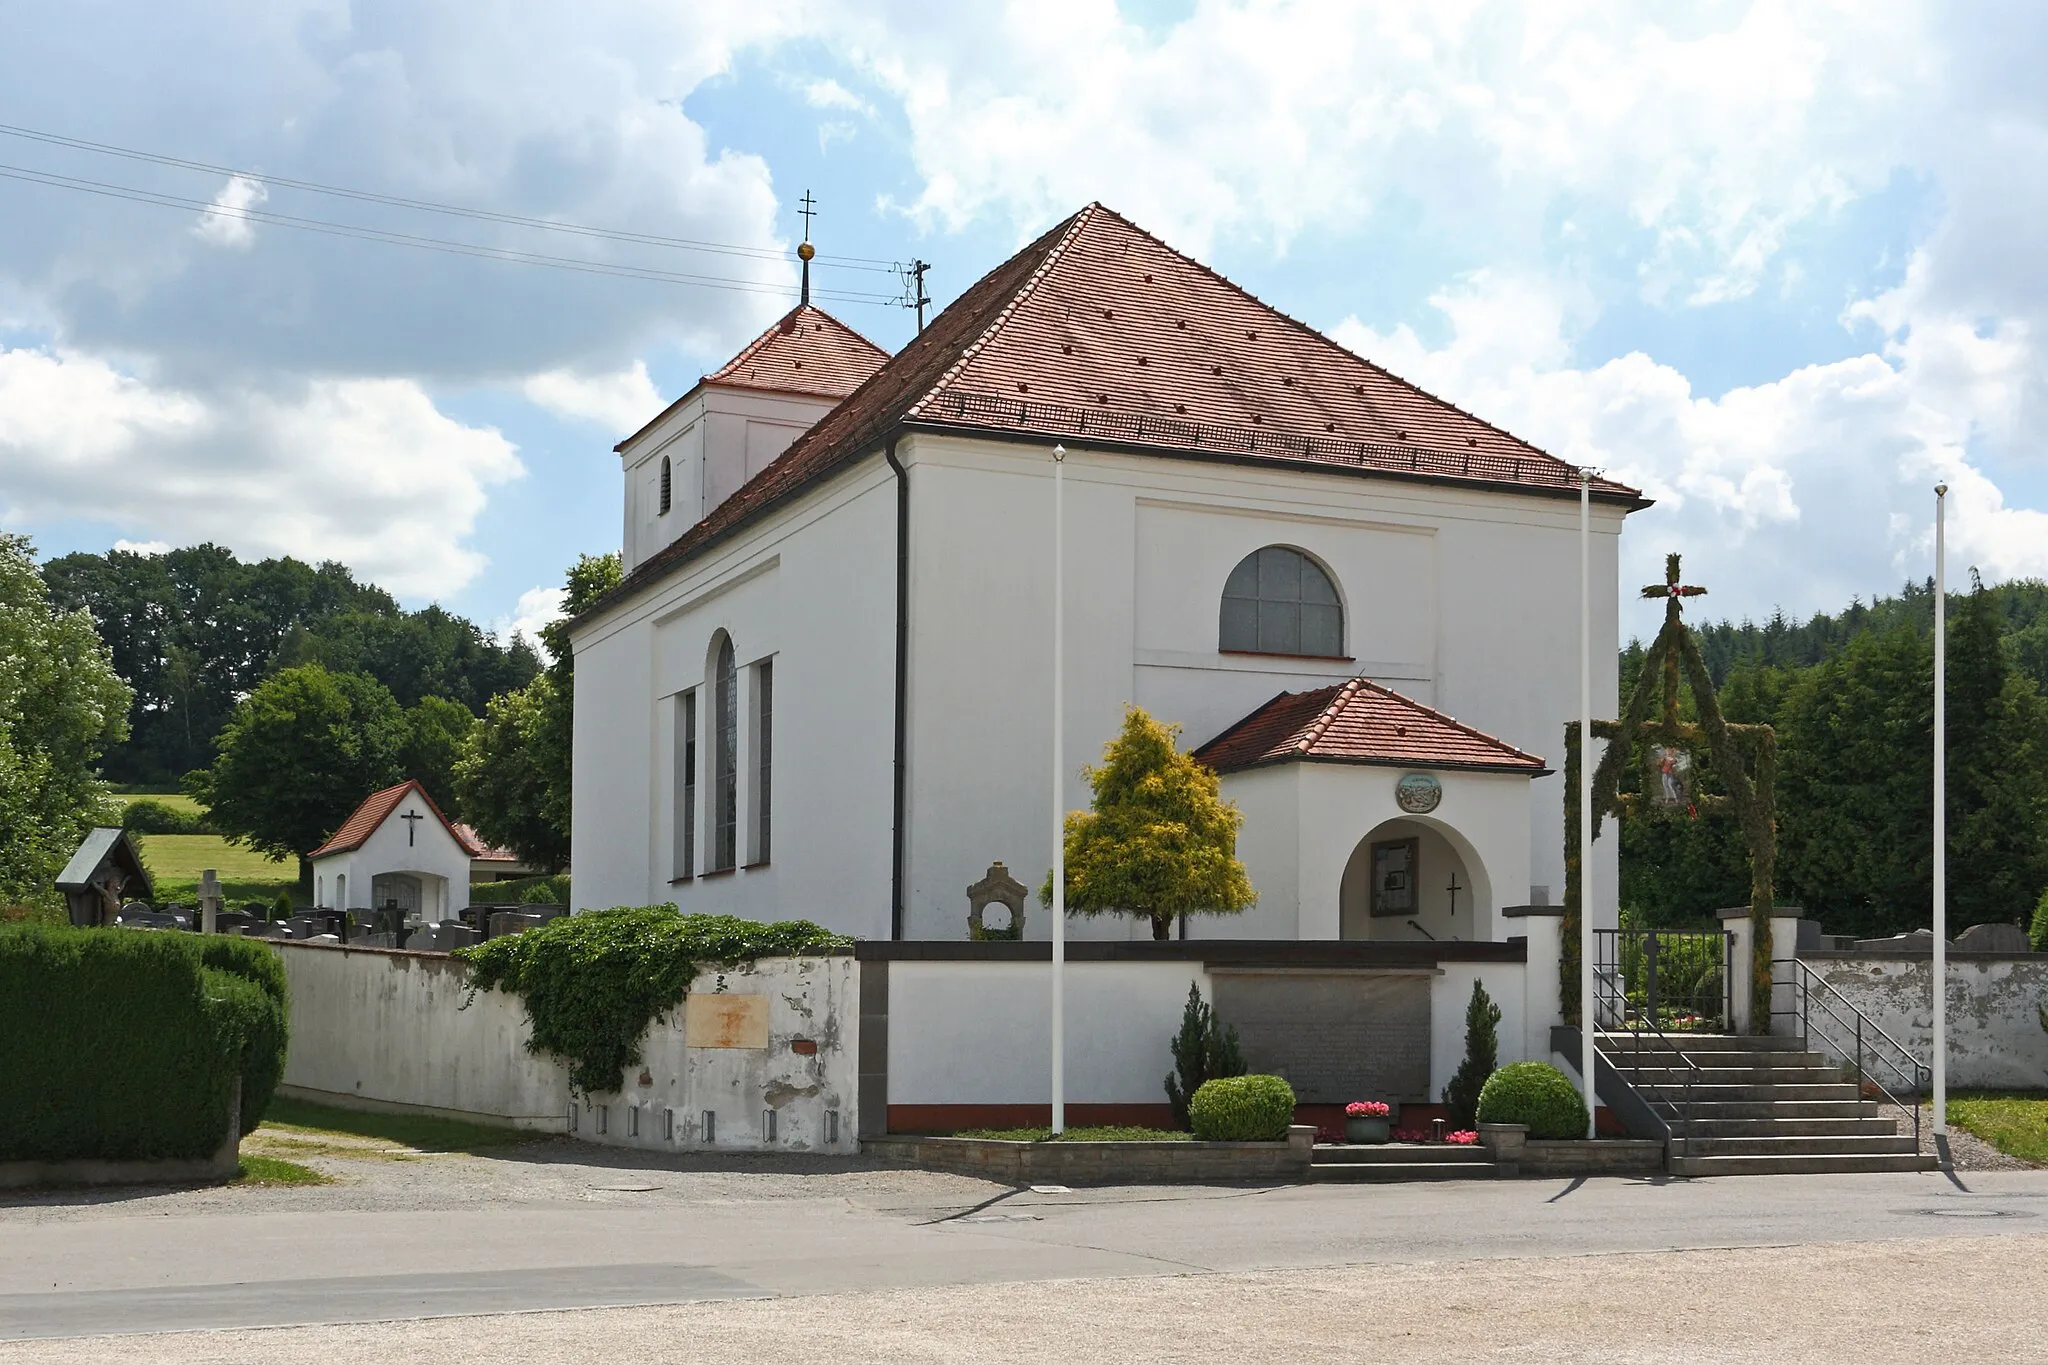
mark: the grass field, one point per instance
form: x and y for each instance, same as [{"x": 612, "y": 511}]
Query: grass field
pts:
[
  {"x": 2015, "y": 1124},
  {"x": 176, "y": 860}
]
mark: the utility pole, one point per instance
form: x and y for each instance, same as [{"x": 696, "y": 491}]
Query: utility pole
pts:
[{"x": 913, "y": 288}]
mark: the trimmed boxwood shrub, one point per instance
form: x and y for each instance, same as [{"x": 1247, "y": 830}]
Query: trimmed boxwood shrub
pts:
[
  {"x": 1537, "y": 1094},
  {"x": 124, "y": 1045},
  {"x": 1242, "y": 1109}
]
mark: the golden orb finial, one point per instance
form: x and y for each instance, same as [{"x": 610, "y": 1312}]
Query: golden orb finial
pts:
[{"x": 805, "y": 251}]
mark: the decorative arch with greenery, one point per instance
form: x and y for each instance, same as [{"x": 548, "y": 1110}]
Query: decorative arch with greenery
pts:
[{"x": 1745, "y": 759}]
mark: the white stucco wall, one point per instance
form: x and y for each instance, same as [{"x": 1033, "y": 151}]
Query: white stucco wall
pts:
[
  {"x": 388, "y": 1029},
  {"x": 1995, "y": 1037},
  {"x": 1463, "y": 599},
  {"x": 431, "y": 854},
  {"x": 980, "y": 1032},
  {"x": 814, "y": 591}
]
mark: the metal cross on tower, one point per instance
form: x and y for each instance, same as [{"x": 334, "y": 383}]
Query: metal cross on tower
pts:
[
  {"x": 412, "y": 819},
  {"x": 805, "y": 251}
]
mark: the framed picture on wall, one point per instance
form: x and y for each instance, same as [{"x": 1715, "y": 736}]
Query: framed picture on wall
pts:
[{"x": 1394, "y": 867}]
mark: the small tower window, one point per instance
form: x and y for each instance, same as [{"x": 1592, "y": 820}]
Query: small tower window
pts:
[
  {"x": 667, "y": 480},
  {"x": 1279, "y": 601}
]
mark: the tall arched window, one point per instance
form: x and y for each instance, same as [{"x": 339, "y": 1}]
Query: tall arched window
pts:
[
  {"x": 1279, "y": 601},
  {"x": 725, "y": 746},
  {"x": 667, "y": 484}
]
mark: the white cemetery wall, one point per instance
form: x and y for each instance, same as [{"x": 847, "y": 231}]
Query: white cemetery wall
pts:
[
  {"x": 1450, "y": 994},
  {"x": 373, "y": 1028},
  {"x": 1995, "y": 1036},
  {"x": 980, "y": 1033},
  {"x": 967, "y": 1034},
  {"x": 770, "y": 1051},
  {"x": 386, "y": 1029}
]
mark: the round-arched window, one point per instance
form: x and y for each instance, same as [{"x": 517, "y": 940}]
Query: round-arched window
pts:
[
  {"x": 1279, "y": 601},
  {"x": 666, "y": 478}
]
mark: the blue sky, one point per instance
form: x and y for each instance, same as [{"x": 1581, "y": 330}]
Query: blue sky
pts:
[{"x": 1775, "y": 263}]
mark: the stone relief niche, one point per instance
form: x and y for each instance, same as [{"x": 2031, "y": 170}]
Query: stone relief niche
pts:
[{"x": 997, "y": 888}]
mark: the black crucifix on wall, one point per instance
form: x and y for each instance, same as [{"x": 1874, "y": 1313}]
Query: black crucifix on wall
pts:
[
  {"x": 1745, "y": 760},
  {"x": 412, "y": 819}
]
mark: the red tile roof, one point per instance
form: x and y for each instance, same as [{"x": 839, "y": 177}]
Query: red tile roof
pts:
[
  {"x": 1359, "y": 722},
  {"x": 375, "y": 810},
  {"x": 808, "y": 351},
  {"x": 1099, "y": 333}
]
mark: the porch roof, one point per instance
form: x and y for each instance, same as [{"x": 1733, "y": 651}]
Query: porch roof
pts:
[{"x": 1360, "y": 722}]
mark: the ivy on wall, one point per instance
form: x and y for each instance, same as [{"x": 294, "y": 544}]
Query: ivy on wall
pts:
[{"x": 592, "y": 983}]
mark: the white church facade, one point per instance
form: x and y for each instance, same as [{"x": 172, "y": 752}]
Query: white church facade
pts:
[{"x": 824, "y": 688}]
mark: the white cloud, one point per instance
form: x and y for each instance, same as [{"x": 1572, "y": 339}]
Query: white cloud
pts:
[
  {"x": 143, "y": 547},
  {"x": 227, "y": 222},
  {"x": 1800, "y": 492},
  {"x": 622, "y": 402},
  {"x": 1714, "y": 131},
  {"x": 366, "y": 471},
  {"x": 830, "y": 94},
  {"x": 537, "y": 607}
]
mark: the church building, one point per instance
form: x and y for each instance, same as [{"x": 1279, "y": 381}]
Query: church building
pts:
[{"x": 824, "y": 688}]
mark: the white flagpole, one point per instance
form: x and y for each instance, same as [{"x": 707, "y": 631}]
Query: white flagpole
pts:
[
  {"x": 1941, "y": 819},
  {"x": 1059, "y": 812},
  {"x": 1589, "y": 1014}
]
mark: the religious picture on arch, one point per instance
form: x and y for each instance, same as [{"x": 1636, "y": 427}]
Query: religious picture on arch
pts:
[
  {"x": 1670, "y": 776},
  {"x": 1393, "y": 876}
]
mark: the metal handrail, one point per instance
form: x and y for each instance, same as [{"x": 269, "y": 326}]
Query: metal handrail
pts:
[
  {"x": 1647, "y": 1024},
  {"x": 1867, "y": 1032}
]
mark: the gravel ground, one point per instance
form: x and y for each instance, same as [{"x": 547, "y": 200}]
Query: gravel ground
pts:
[
  {"x": 1968, "y": 1151},
  {"x": 373, "y": 1175},
  {"x": 1871, "y": 1302}
]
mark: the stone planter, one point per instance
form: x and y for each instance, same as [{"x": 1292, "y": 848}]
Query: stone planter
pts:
[
  {"x": 1505, "y": 1143},
  {"x": 1367, "y": 1130}
]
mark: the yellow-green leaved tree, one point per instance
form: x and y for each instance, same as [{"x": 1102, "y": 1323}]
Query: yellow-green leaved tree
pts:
[{"x": 1160, "y": 840}]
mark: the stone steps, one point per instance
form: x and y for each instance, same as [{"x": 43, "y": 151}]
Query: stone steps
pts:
[
  {"x": 1381, "y": 1163},
  {"x": 1833, "y": 1163},
  {"x": 1873, "y": 1125},
  {"x": 1760, "y": 1106}
]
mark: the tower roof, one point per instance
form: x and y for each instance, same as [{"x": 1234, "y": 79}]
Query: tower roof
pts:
[
  {"x": 1360, "y": 722},
  {"x": 1098, "y": 333},
  {"x": 806, "y": 351}
]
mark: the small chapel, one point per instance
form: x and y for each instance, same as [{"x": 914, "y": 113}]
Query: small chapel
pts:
[
  {"x": 824, "y": 688},
  {"x": 396, "y": 850}
]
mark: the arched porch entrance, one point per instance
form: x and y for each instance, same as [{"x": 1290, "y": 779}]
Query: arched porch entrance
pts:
[{"x": 1412, "y": 879}]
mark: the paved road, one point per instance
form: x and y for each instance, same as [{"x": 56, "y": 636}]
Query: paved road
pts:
[{"x": 572, "y": 1234}]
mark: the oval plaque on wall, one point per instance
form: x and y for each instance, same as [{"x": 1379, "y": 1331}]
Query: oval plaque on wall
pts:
[{"x": 1418, "y": 793}]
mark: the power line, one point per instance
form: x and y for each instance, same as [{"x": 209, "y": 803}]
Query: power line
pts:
[
  {"x": 430, "y": 206},
  {"x": 362, "y": 233}
]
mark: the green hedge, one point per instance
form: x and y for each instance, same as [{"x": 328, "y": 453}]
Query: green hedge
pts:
[
  {"x": 1535, "y": 1093},
  {"x": 521, "y": 891},
  {"x": 158, "y": 817},
  {"x": 1242, "y": 1109},
  {"x": 123, "y": 1044}
]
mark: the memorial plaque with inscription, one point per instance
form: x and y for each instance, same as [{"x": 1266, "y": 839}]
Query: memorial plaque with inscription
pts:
[{"x": 1335, "y": 1036}]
